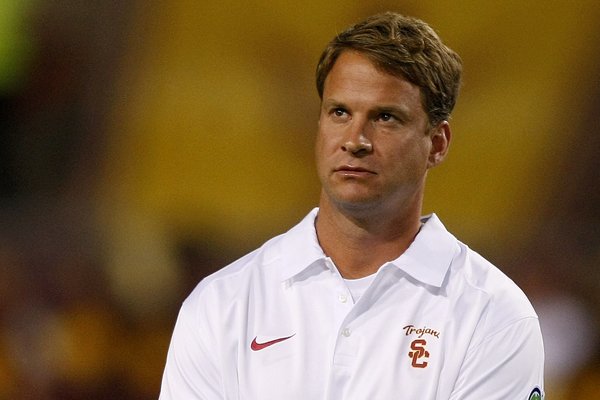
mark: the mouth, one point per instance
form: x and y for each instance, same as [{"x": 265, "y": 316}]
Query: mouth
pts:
[{"x": 349, "y": 170}]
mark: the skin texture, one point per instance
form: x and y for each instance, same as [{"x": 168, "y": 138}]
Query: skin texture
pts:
[{"x": 374, "y": 147}]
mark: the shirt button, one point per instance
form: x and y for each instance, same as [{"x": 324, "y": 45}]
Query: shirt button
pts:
[
  {"x": 346, "y": 332},
  {"x": 342, "y": 298}
]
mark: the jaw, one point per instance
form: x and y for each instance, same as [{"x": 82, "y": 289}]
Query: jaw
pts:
[{"x": 370, "y": 203}]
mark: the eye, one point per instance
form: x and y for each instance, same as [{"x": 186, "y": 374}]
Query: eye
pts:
[
  {"x": 339, "y": 112},
  {"x": 385, "y": 117}
]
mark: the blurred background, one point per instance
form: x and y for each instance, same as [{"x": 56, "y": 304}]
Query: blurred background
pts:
[{"x": 145, "y": 144}]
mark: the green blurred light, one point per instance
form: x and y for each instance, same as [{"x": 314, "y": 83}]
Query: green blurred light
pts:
[{"x": 15, "y": 43}]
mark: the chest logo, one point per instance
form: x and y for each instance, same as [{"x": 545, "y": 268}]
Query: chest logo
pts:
[
  {"x": 420, "y": 332},
  {"x": 418, "y": 353},
  {"x": 255, "y": 346}
]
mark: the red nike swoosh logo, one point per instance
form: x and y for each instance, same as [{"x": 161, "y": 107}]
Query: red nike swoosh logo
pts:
[{"x": 259, "y": 346}]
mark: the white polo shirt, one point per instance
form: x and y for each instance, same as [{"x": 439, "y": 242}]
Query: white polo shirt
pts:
[{"x": 439, "y": 322}]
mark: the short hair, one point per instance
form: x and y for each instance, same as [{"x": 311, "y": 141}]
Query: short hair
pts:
[{"x": 406, "y": 47}]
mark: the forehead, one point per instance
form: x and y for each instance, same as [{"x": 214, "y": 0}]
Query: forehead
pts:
[{"x": 355, "y": 76}]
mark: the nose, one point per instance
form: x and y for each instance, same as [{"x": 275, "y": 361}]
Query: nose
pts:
[
  {"x": 358, "y": 146},
  {"x": 358, "y": 143}
]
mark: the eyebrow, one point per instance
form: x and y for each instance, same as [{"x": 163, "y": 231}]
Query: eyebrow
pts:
[
  {"x": 333, "y": 103},
  {"x": 400, "y": 111}
]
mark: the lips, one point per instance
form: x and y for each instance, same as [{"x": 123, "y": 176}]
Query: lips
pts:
[{"x": 353, "y": 171}]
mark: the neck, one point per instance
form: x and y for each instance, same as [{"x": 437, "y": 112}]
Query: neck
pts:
[{"x": 360, "y": 243}]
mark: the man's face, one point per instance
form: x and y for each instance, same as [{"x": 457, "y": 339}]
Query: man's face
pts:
[{"x": 373, "y": 145}]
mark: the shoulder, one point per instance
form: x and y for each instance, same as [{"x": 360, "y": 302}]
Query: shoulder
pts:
[
  {"x": 227, "y": 282},
  {"x": 502, "y": 291},
  {"x": 505, "y": 341},
  {"x": 468, "y": 276},
  {"x": 278, "y": 257},
  {"x": 500, "y": 301}
]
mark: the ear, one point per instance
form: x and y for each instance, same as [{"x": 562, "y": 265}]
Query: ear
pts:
[{"x": 440, "y": 136}]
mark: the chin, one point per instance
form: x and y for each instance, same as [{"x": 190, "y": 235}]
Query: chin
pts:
[
  {"x": 354, "y": 199},
  {"x": 356, "y": 204}
]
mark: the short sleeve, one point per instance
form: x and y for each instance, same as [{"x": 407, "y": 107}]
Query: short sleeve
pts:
[
  {"x": 191, "y": 370},
  {"x": 509, "y": 364}
]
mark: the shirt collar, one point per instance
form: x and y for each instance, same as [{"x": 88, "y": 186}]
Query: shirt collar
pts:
[
  {"x": 429, "y": 256},
  {"x": 300, "y": 247},
  {"x": 427, "y": 259}
]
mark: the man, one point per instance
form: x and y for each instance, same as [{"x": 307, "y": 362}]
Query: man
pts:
[{"x": 364, "y": 299}]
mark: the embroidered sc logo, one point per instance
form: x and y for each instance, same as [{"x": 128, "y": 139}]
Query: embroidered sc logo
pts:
[{"x": 418, "y": 352}]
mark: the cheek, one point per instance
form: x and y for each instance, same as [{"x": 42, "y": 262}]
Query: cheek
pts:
[
  {"x": 318, "y": 144},
  {"x": 319, "y": 149},
  {"x": 411, "y": 157},
  {"x": 324, "y": 143},
  {"x": 420, "y": 157},
  {"x": 325, "y": 153}
]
